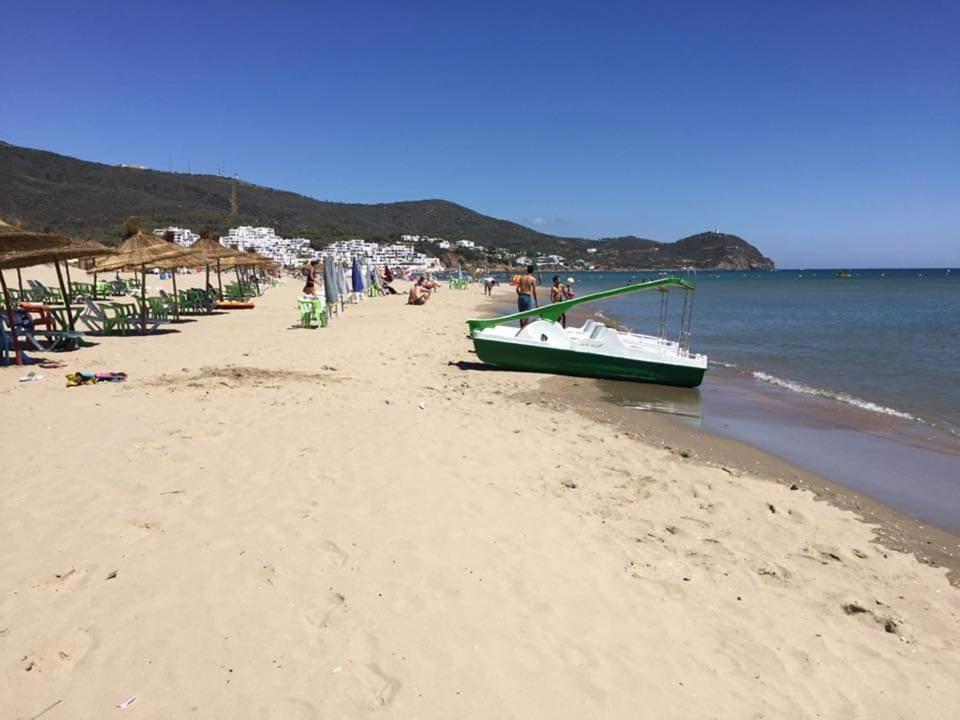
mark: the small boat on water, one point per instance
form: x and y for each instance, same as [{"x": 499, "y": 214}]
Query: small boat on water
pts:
[
  {"x": 594, "y": 349},
  {"x": 843, "y": 274}
]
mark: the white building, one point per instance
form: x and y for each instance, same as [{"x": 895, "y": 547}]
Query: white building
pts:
[
  {"x": 264, "y": 240},
  {"x": 591, "y": 251},
  {"x": 397, "y": 255},
  {"x": 469, "y": 244},
  {"x": 181, "y": 236},
  {"x": 544, "y": 260},
  {"x": 444, "y": 244}
]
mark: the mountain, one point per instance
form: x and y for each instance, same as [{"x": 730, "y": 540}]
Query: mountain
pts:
[{"x": 90, "y": 200}]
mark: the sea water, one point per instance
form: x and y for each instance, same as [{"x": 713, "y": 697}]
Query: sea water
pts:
[
  {"x": 884, "y": 340},
  {"x": 854, "y": 378}
]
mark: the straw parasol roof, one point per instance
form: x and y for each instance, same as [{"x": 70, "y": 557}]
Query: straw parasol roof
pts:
[
  {"x": 211, "y": 249},
  {"x": 205, "y": 251},
  {"x": 70, "y": 250},
  {"x": 17, "y": 240},
  {"x": 247, "y": 259},
  {"x": 141, "y": 250}
]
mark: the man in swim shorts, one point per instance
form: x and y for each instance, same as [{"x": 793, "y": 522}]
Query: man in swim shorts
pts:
[
  {"x": 417, "y": 295},
  {"x": 527, "y": 293}
]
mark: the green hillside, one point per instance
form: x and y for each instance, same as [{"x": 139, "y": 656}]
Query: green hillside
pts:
[{"x": 90, "y": 200}]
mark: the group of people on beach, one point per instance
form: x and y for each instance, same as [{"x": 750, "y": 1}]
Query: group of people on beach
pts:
[{"x": 527, "y": 294}]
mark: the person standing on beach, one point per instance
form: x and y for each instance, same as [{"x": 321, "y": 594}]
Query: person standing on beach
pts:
[
  {"x": 557, "y": 294},
  {"x": 527, "y": 294},
  {"x": 310, "y": 286}
]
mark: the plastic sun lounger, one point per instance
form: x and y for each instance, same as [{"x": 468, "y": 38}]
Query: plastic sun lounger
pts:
[{"x": 115, "y": 318}]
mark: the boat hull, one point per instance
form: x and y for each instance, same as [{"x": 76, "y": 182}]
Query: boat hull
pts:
[{"x": 517, "y": 356}]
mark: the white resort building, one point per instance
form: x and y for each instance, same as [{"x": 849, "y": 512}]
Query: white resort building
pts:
[
  {"x": 181, "y": 236},
  {"x": 396, "y": 255},
  {"x": 264, "y": 240}
]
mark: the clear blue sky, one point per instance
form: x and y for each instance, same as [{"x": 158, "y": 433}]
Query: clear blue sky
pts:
[{"x": 828, "y": 133}]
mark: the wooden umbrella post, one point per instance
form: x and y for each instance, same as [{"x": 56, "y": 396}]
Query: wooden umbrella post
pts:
[
  {"x": 16, "y": 341},
  {"x": 66, "y": 268},
  {"x": 66, "y": 295},
  {"x": 94, "y": 284},
  {"x": 143, "y": 299},
  {"x": 236, "y": 269},
  {"x": 20, "y": 282},
  {"x": 219, "y": 281},
  {"x": 176, "y": 297}
]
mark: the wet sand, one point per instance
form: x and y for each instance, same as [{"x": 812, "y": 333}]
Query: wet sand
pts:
[{"x": 901, "y": 475}]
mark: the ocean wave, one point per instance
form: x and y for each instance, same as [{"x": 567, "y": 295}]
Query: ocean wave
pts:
[{"x": 839, "y": 396}]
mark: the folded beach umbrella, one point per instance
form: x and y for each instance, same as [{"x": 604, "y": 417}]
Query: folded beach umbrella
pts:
[
  {"x": 341, "y": 279},
  {"x": 356, "y": 277},
  {"x": 330, "y": 280}
]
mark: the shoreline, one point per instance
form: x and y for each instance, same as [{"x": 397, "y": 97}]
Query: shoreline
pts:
[{"x": 896, "y": 530}]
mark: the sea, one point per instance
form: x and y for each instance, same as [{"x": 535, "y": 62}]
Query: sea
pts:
[{"x": 853, "y": 374}]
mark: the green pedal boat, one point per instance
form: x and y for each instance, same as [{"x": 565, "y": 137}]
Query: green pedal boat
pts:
[{"x": 594, "y": 349}]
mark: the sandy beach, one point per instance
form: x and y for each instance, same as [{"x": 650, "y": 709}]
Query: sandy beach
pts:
[{"x": 273, "y": 522}]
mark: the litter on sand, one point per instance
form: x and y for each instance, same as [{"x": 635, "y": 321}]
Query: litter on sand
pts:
[
  {"x": 83, "y": 378},
  {"x": 31, "y": 377},
  {"x": 127, "y": 703}
]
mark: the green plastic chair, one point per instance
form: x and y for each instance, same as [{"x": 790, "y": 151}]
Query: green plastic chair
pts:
[
  {"x": 306, "y": 307},
  {"x": 320, "y": 312}
]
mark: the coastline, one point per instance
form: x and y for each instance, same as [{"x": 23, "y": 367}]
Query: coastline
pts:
[
  {"x": 269, "y": 521},
  {"x": 672, "y": 429},
  {"x": 894, "y": 530}
]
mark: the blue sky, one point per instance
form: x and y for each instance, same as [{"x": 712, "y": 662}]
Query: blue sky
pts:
[{"x": 827, "y": 133}]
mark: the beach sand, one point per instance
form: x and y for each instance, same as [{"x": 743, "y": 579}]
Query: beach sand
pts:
[{"x": 272, "y": 522}]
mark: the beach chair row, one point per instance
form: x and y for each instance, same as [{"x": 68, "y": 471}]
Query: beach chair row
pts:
[{"x": 241, "y": 291}]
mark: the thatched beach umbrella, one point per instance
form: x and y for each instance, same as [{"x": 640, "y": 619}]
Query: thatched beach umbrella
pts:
[
  {"x": 213, "y": 253},
  {"x": 71, "y": 250},
  {"x": 13, "y": 242},
  {"x": 249, "y": 259},
  {"x": 141, "y": 251}
]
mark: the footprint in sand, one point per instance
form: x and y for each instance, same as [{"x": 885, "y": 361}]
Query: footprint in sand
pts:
[
  {"x": 336, "y": 554},
  {"x": 320, "y": 617},
  {"x": 74, "y": 647},
  {"x": 875, "y": 619},
  {"x": 368, "y": 688},
  {"x": 64, "y": 581},
  {"x": 774, "y": 574}
]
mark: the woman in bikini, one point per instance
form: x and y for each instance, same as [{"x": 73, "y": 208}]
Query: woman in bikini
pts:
[{"x": 310, "y": 286}]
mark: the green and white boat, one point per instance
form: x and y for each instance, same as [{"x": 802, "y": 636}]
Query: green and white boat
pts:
[{"x": 594, "y": 349}]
